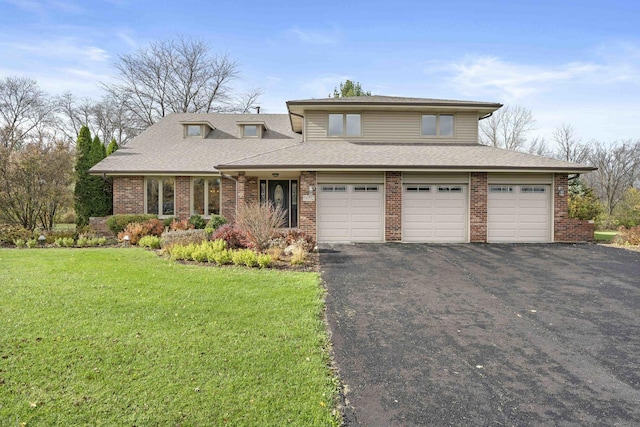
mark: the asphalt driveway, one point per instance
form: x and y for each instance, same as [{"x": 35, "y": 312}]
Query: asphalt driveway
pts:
[{"x": 486, "y": 335}]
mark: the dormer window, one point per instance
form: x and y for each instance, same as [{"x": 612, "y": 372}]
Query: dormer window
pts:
[
  {"x": 194, "y": 130},
  {"x": 251, "y": 129}
]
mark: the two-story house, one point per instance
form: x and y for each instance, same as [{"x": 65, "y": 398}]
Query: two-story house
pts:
[{"x": 361, "y": 169}]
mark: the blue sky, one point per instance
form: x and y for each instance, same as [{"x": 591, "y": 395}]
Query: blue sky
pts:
[{"x": 573, "y": 61}]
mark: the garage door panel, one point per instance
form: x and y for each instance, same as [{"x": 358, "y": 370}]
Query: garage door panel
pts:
[
  {"x": 349, "y": 215},
  {"x": 522, "y": 214},
  {"x": 434, "y": 216}
]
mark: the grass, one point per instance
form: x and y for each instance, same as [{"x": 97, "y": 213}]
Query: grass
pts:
[
  {"x": 122, "y": 337},
  {"x": 605, "y": 236}
]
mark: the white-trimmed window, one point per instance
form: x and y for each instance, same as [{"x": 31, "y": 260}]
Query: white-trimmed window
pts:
[
  {"x": 205, "y": 196},
  {"x": 500, "y": 189},
  {"x": 449, "y": 189},
  {"x": 193, "y": 131},
  {"x": 344, "y": 125},
  {"x": 333, "y": 188},
  {"x": 365, "y": 189},
  {"x": 250, "y": 131},
  {"x": 417, "y": 189},
  {"x": 159, "y": 196},
  {"x": 533, "y": 189},
  {"x": 437, "y": 124}
]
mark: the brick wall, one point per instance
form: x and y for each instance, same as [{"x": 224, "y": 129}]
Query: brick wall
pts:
[
  {"x": 228, "y": 208},
  {"x": 567, "y": 229},
  {"x": 99, "y": 225},
  {"x": 128, "y": 195},
  {"x": 183, "y": 198},
  {"x": 307, "y": 209},
  {"x": 393, "y": 206},
  {"x": 478, "y": 207}
]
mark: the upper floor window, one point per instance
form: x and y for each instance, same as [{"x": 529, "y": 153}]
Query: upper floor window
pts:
[
  {"x": 194, "y": 130},
  {"x": 250, "y": 131},
  {"x": 437, "y": 124},
  {"x": 344, "y": 125}
]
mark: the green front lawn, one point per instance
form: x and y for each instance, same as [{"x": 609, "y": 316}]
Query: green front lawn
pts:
[
  {"x": 123, "y": 337},
  {"x": 605, "y": 236}
]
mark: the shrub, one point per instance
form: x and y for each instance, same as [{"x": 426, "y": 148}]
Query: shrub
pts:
[
  {"x": 20, "y": 243},
  {"x": 298, "y": 255},
  {"x": 117, "y": 223},
  {"x": 137, "y": 230},
  {"x": 200, "y": 252},
  {"x": 198, "y": 222},
  {"x": 180, "y": 225},
  {"x": 85, "y": 242},
  {"x": 216, "y": 222},
  {"x": 298, "y": 237},
  {"x": 182, "y": 252},
  {"x": 229, "y": 233},
  {"x": 64, "y": 242},
  {"x": 32, "y": 243},
  {"x": 628, "y": 236},
  {"x": 244, "y": 257},
  {"x": 264, "y": 260},
  {"x": 54, "y": 236},
  {"x": 151, "y": 242},
  {"x": 10, "y": 233},
  {"x": 69, "y": 217},
  {"x": 275, "y": 252},
  {"x": 221, "y": 257},
  {"x": 258, "y": 222},
  {"x": 167, "y": 221},
  {"x": 181, "y": 237}
]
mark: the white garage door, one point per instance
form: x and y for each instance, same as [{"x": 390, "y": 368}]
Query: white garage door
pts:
[
  {"x": 434, "y": 213},
  {"x": 350, "y": 213},
  {"x": 519, "y": 213}
]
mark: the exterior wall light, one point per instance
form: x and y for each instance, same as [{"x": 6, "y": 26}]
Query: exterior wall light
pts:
[
  {"x": 275, "y": 174},
  {"x": 561, "y": 191}
]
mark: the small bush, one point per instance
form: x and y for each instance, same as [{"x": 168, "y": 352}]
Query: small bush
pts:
[
  {"x": 298, "y": 237},
  {"x": 182, "y": 252},
  {"x": 180, "y": 225},
  {"x": 299, "y": 255},
  {"x": 86, "y": 242},
  {"x": 628, "y": 236},
  {"x": 198, "y": 222},
  {"x": 258, "y": 222},
  {"x": 54, "y": 236},
  {"x": 245, "y": 257},
  {"x": 216, "y": 222},
  {"x": 20, "y": 243},
  {"x": 167, "y": 221},
  {"x": 137, "y": 230},
  {"x": 229, "y": 233},
  {"x": 151, "y": 242},
  {"x": 32, "y": 243},
  {"x": 264, "y": 260},
  {"x": 181, "y": 237},
  {"x": 69, "y": 217},
  {"x": 64, "y": 242},
  {"x": 10, "y": 233},
  {"x": 221, "y": 257},
  {"x": 275, "y": 252},
  {"x": 200, "y": 253},
  {"x": 117, "y": 223}
]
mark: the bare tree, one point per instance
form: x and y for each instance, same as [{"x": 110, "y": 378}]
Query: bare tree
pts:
[
  {"x": 539, "y": 147},
  {"x": 569, "y": 146},
  {"x": 618, "y": 169},
  {"x": 25, "y": 112},
  {"x": 173, "y": 75},
  {"x": 246, "y": 102},
  {"x": 507, "y": 128}
]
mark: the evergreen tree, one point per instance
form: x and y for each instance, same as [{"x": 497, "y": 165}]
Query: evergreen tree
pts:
[
  {"x": 112, "y": 147},
  {"x": 90, "y": 196}
]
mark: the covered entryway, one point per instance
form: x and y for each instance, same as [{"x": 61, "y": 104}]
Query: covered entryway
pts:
[
  {"x": 519, "y": 213},
  {"x": 434, "y": 213},
  {"x": 350, "y": 211}
]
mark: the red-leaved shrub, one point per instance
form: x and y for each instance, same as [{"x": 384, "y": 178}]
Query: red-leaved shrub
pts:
[
  {"x": 137, "y": 230},
  {"x": 229, "y": 233},
  {"x": 628, "y": 236}
]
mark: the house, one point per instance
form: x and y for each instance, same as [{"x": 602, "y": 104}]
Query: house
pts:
[{"x": 361, "y": 169}]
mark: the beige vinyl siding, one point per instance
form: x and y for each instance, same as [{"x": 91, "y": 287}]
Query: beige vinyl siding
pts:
[
  {"x": 521, "y": 178},
  {"x": 435, "y": 178},
  {"x": 393, "y": 126},
  {"x": 350, "y": 178}
]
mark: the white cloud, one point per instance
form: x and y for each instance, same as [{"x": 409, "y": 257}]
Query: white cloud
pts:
[
  {"x": 314, "y": 37},
  {"x": 66, "y": 48}
]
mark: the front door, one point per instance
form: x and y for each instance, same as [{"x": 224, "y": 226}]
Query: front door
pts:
[{"x": 279, "y": 196}]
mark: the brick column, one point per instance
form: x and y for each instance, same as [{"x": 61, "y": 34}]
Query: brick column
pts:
[
  {"x": 393, "y": 206},
  {"x": 307, "y": 208},
  {"x": 183, "y": 197},
  {"x": 228, "y": 208},
  {"x": 128, "y": 195},
  {"x": 560, "y": 207},
  {"x": 478, "y": 207}
]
